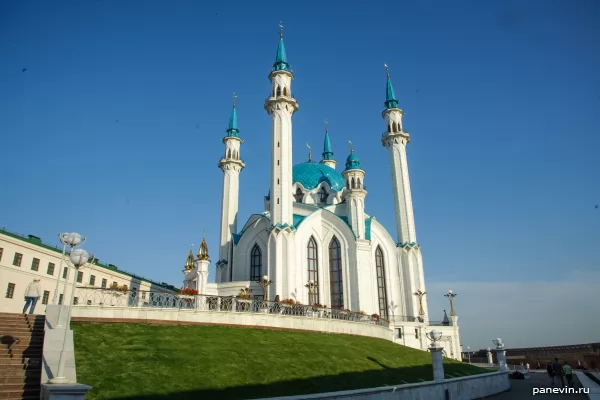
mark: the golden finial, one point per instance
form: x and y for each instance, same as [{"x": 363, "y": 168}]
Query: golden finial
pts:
[
  {"x": 189, "y": 262},
  {"x": 326, "y": 129},
  {"x": 387, "y": 70},
  {"x": 351, "y": 149},
  {"x": 280, "y": 30},
  {"x": 234, "y": 99},
  {"x": 309, "y": 152},
  {"x": 203, "y": 250}
]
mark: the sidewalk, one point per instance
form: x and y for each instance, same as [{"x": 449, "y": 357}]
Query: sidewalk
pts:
[{"x": 523, "y": 389}]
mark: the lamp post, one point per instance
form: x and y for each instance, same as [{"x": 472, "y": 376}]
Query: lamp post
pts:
[
  {"x": 469, "y": 353},
  {"x": 67, "y": 239},
  {"x": 246, "y": 290},
  {"x": 265, "y": 282},
  {"x": 79, "y": 258},
  {"x": 392, "y": 308},
  {"x": 311, "y": 286},
  {"x": 500, "y": 355},
  {"x": 451, "y": 295},
  {"x": 420, "y": 295}
]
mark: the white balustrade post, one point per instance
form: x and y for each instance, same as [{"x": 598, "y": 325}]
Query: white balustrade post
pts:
[
  {"x": 489, "y": 356},
  {"x": 500, "y": 355},
  {"x": 437, "y": 363}
]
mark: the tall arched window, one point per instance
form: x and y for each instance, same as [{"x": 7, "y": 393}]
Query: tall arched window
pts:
[
  {"x": 335, "y": 274},
  {"x": 323, "y": 195},
  {"x": 255, "y": 263},
  {"x": 313, "y": 268},
  {"x": 381, "y": 290}
]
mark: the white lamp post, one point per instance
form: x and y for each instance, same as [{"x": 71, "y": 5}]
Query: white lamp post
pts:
[
  {"x": 67, "y": 239},
  {"x": 265, "y": 282},
  {"x": 311, "y": 286},
  {"x": 79, "y": 258},
  {"x": 469, "y": 353}
]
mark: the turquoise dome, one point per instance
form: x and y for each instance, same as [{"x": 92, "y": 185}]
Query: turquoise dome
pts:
[
  {"x": 310, "y": 174},
  {"x": 352, "y": 162}
]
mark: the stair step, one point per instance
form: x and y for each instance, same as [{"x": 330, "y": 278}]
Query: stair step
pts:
[
  {"x": 19, "y": 385},
  {"x": 30, "y": 373},
  {"x": 19, "y": 393},
  {"x": 21, "y": 345}
]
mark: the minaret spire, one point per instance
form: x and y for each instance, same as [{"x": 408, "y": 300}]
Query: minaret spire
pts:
[
  {"x": 309, "y": 153},
  {"x": 281, "y": 63},
  {"x": 327, "y": 153},
  {"x": 390, "y": 96},
  {"x": 231, "y": 165}
]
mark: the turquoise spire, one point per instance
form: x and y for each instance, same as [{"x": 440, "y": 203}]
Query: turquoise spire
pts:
[
  {"x": 233, "y": 129},
  {"x": 390, "y": 96},
  {"x": 327, "y": 153},
  {"x": 281, "y": 63},
  {"x": 352, "y": 161}
]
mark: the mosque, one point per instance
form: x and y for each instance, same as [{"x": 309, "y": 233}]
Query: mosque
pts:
[{"x": 314, "y": 227}]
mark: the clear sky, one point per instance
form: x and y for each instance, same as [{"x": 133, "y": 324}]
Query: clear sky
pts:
[{"x": 112, "y": 114}]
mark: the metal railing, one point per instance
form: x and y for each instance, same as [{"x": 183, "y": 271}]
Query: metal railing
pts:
[{"x": 97, "y": 297}]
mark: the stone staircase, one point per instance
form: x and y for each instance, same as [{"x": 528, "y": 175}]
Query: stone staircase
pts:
[{"x": 21, "y": 344}]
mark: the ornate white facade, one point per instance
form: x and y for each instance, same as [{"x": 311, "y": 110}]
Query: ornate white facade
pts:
[{"x": 314, "y": 227}]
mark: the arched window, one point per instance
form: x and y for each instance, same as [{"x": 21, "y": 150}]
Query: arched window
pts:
[
  {"x": 278, "y": 91},
  {"x": 335, "y": 274},
  {"x": 299, "y": 195},
  {"x": 255, "y": 263},
  {"x": 284, "y": 91},
  {"x": 381, "y": 290},
  {"x": 353, "y": 184},
  {"x": 394, "y": 127},
  {"x": 389, "y": 128},
  {"x": 229, "y": 153},
  {"x": 323, "y": 195},
  {"x": 313, "y": 269},
  {"x": 358, "y": 184}
]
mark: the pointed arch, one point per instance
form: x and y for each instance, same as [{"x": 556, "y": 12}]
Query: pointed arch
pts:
[
  {"x": 335, "y": 274},
  {"x": 278, "y": 91},
  {"x": 313, "y": 268},
  {"x": 284, "y": 91},
  {"x": 323, "y": 195},
  {"x": 229, "y": 153},
  {"x": 381, "y": 283},
  {"x": 389, "y": 128},
  {"x": 255, "y": 263},
  {"x": 358, "y": 183},
  {"x": 299, "y": 195},
  {"x": 353, "y": 183}
]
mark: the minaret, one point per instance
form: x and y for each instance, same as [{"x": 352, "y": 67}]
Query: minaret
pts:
[
  {"x": 395, "y": 140},
  {"x": 231, "y": 165},
  {"x": 203, "y": 263},
  {"x": 327, "y": 153},
  {"x": 355, "y": 194},
  {"x": 281, "y": 105}
]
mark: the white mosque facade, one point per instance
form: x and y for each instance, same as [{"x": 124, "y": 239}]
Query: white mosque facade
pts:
[{"x": 314, "y": 227}]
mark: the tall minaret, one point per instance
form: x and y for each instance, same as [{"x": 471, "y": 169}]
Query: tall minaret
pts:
[
  {"x": 281, "y": 105},
  {"x": 231, "y": 165},
  {"x": 327, "y": 153},
  {"x": 395, "y": 140},
  {"x": 355, "y": 194}
]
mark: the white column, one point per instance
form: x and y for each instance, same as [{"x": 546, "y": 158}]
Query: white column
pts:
[
  {"x": 501, "y": 357},
  {"x": 489, "y": 357},
  {"x": 437, "y": 363}
]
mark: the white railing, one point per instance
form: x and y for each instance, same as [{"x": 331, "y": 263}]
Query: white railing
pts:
[{"x": 96, "y": 297}]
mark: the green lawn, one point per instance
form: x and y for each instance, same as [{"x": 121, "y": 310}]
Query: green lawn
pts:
[{"x": 141, "y": 361}]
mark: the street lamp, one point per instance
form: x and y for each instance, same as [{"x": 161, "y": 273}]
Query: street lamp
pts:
[
  {"x": 434, "y": 337},
  {"x": 469, "y": 353},
  {"x": 67, "y": 239},
  {"x": 246, "y": 290},
  {"x": 311, "y": 286},
  {"x": 392, "y": 308},
  {"x": 451, "y": 295},
  {"x": 498, "y": 343},
  {"x": 79, "y": 258},
  {"x": 420, "y": 295},
  {"x": 265, "y": 282}
]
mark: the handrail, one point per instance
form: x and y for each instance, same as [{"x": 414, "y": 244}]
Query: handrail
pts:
[{"x": 98, "y": 297}]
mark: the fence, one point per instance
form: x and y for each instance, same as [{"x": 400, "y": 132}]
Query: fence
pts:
[{"x": 88, "y": 297}]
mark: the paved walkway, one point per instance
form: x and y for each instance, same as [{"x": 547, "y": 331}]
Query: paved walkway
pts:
[{"x": 523, "y": 389}]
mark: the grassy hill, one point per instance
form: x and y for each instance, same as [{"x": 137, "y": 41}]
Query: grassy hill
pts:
[{"x": 142, "y": 361}]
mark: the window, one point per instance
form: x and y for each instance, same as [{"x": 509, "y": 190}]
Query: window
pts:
[
  {"x": 416, "y": 333},
  {"x": 103, "y": 284},
  {"x": 278, "y": 91},
  {"x": 398, "y": 332},
  {"x": 335, "y": 274},
  {"x": 1, "y": 252},
  {"x": 75, "y": 301},
  {"x": 284, "y": 91},
  {"x": 299, "y": 195},
  {"x": 115, "y": 283},
  {"x": 89, "y": 302},
  {"x": 10, "y": 290},
  {"x": 79, "y": 276},
  {"x": 65, "y": 272},
  {"x": 255, "y": 263},
  {"x": 50, "y": 270},
  {"x": 323, "y": 195},
  {"x": 92, "y": 279},
  {"x": 278, "y": 181},
  {"x": 17, "y": 260},
  {"x": 277, "y": 201},
  {"x": 313, "y": 269},
  {"x": 35, "y": 264},
  {"x": 381, "y": 290},
  {"x": 45, "y": 297},
  {"x": 60, "y": 297},
  {"x": 277, "y": 162},
  {"x": 143, "y": 295}
]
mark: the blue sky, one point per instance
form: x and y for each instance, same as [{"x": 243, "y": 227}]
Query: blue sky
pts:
[{"x": 114, "y": 130}]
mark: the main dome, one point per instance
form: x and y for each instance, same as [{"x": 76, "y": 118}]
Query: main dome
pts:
[{"x": 310, "y": 174}]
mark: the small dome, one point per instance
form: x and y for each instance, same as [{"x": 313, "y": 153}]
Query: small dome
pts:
[
  {"x": 310, "y": 174},
  {"x": 352, "y": 162}
]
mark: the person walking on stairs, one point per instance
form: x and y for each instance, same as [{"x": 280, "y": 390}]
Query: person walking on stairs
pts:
[{"x": 33, "y": 293}]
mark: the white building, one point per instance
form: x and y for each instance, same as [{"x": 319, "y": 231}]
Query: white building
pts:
[
  {"x": 314, "y": 226},
  {"x": 24, "y": 258}
]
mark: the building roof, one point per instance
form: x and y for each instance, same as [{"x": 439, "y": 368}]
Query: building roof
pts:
[
  {"x": 311, "y": 174},
  {"x": 38, "y": 242},
  {"x": 233, "y": 129}
]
